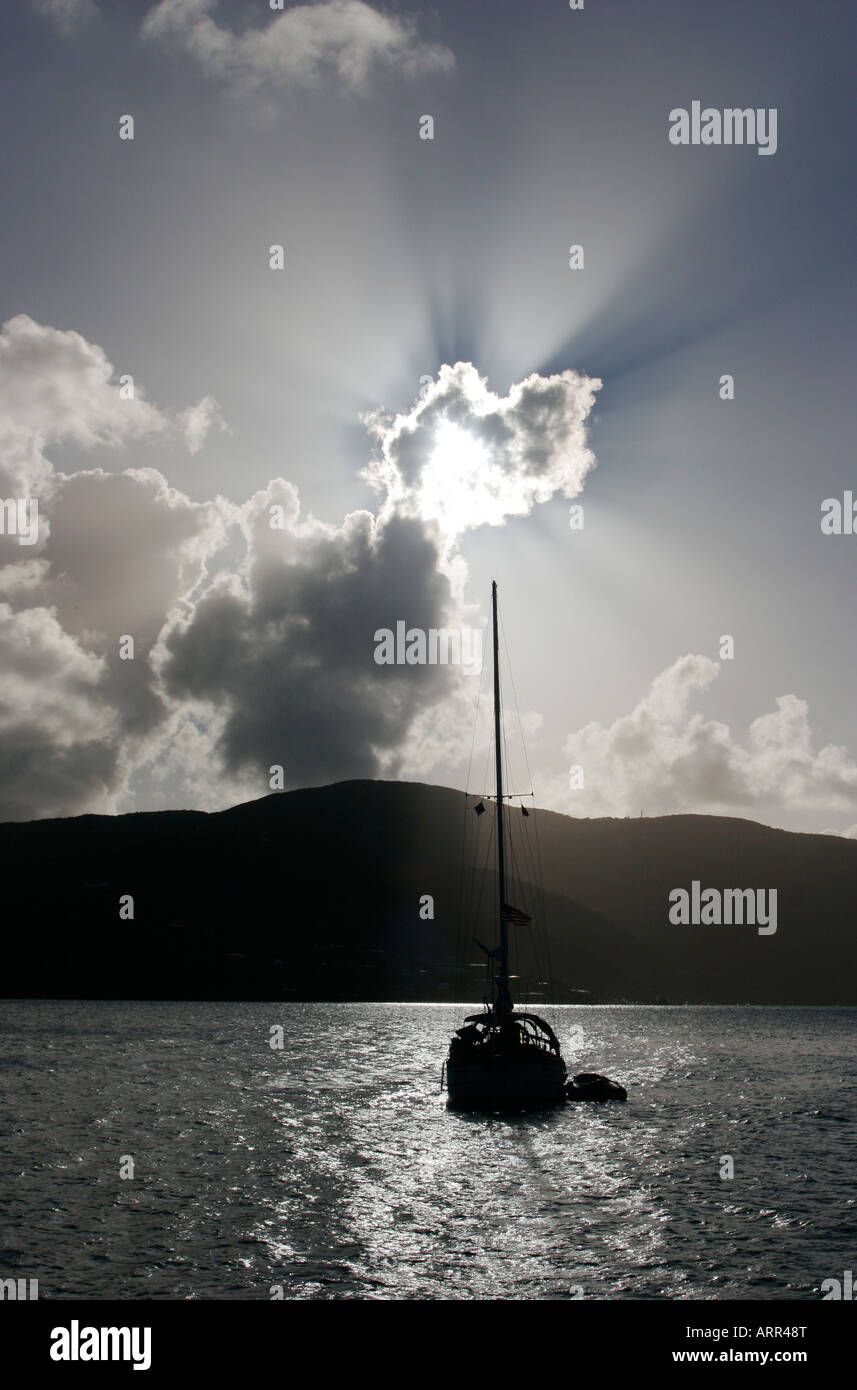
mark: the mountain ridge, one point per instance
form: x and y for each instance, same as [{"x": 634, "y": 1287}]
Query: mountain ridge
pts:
[{"x": 316, "y": 894}]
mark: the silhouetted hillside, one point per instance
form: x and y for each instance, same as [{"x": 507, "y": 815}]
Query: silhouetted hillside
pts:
[{"x": 316, "y": 895}]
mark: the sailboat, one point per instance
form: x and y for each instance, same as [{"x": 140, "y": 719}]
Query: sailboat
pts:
[{"x": 503, "y": 1058}]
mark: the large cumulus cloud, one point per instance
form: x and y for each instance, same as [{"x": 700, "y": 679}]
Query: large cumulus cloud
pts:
[
  {"x": 286, "y": 648},
  {"x": 115, "y": 552},
  {"x": 665, "y": 756},
  {"x": 253, "y": 624},
  {"x": 464, "y": 455}
]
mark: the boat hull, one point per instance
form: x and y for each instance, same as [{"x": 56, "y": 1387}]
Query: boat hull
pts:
[{"x": 499, "y": 1083}]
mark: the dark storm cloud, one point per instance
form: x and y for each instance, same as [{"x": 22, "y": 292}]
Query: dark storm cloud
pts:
[
  {"x": 268, "y": 660},
  {"x": 292, "y": 658}
]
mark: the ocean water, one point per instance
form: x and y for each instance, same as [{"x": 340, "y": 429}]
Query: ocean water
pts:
[{"x": 332, "y": 1169}]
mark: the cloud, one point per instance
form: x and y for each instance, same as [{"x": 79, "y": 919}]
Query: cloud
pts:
[
  {"x": 68, "y": 15},
  {"x": 463, "y": 456},
  {"x": 345, "y": 39},
  {"x": 122, "y": 552},
  {"x": 55, "y": 387},
  {"x": 197, "y": 420},
  {"x": 253, "y": 624},
  {"x": 115, "y": 554},
  {"x": 286, "y": 647},
  {"x": 285, "y": 644},
  {"x": 58, "y": 750},
  {"x": 666, "y": 757}
]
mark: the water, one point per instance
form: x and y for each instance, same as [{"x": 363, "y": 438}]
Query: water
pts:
[{"x": 333, "y": 1169}]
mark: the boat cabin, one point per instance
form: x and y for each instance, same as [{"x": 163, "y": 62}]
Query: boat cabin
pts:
[{"x": 502, "y": 1033}]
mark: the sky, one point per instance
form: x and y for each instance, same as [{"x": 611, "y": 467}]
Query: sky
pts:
[{"x": 252, "y": 465}]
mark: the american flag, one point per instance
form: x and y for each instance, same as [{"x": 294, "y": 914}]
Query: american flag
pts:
[{"x": 515, "y": 916}]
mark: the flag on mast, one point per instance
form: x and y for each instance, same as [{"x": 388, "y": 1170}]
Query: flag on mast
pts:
[{"x": 514, "y": 915}]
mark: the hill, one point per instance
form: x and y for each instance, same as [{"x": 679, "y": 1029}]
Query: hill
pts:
[{"x": 316, "y": 894}]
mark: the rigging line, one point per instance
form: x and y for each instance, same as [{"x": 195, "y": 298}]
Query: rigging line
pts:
[
  {"x": 521, "y": 937},
  {"x": 462, "y": 904},
  {"x": 533, "y": 868},
  {"x": 517, "y": 708},
  {"x": 462, "y": 895},
  {"x": 516, "y": 877},
  {"x": 465, "y": 885},
  {"x": 534, "y": 874},
  {"x": 478, "y": 877},
  {"x": 539, "y": 878},
  {"x": 475, "y": 726},
  {"x": 486, "y": 768},
  {"x": 514, "y": 954},
  {"x": 539, "y": 874},
  {"x": 472, "y": 871},
  {"x": 549, "y": 972},
  {"x": 526, "y": 896},
  {"x": 483, "y": 876},
  {"x": 526, "y": 870}
]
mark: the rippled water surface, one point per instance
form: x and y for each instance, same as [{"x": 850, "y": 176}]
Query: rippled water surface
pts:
[{"x": 334, "y": 1170}]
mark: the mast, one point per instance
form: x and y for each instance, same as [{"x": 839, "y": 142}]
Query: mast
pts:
[{"x": 502, "y": 998}]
